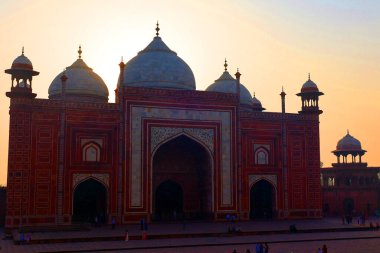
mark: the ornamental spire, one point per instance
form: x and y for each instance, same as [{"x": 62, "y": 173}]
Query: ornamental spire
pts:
[
  {"x": 80, "y": 52},
  {"x": 225, "y": 64},
  {"x": 309, "y": 75},
  {"x": 157, "y": 29},
  {"x": 22, "y": 51}
]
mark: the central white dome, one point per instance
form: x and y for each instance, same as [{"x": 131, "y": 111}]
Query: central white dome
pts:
[{"x": 158, "y": 67}]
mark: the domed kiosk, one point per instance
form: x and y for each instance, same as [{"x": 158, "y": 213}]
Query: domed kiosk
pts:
[
  {"x": 158, "y": 67},
  {"x": 21, "y": 71},
  {"x": 310, "y": 95},
  {"x": 348, "y": 145},
  {"x": 81, "y": 83}
]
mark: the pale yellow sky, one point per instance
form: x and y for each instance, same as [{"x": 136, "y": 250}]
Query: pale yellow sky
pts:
[{"x": 274, "y": 43}]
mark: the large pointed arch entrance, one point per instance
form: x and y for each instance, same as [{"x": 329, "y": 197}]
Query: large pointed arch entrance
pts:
[
  {"x": 89, "y": 201},
  {"x": 182, "y": 180},
  {"x": 262, "y": 200}
]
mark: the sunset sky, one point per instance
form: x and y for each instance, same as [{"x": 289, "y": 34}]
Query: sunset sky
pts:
[{"x": 274, "y": 43}]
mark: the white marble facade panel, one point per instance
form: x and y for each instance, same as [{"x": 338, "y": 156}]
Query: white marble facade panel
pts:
[{"x": 138, "y": 113}]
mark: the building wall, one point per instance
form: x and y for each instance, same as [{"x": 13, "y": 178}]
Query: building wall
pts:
[
  {"x": 299, "y": 172},
  {"x": 3, "y": 205},
  {"x": 351, "y": 181},
  {"x": 48, "y": 137}
]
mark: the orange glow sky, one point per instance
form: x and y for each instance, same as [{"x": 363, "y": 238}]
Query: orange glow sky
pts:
[{"x": 273, "y": 42}]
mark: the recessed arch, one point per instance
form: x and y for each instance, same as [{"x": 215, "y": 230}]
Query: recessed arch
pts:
[
  {"x": 189, "y": 163},
  {"x": 262, "y": 196},
  {"x": 89, "y": 201},
  {"x": 348, "y": 206},
  {"x": 91, "y": 152},
  {"x": 261, "y": 156}
]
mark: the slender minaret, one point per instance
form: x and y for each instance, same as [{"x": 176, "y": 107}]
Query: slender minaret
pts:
[
  {"x": 61, "y": 154},
  {"x": 120, "y": 96},
  {"x": 237, "y": 75},
  {"x": 284, "y": 153}
]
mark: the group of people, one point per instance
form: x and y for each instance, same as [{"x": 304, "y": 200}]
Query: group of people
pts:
[
  {"x": 260, "y": 248},
  {"x": 323, "y": 250}
]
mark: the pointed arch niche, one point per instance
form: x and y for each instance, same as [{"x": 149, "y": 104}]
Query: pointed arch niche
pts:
[{"x": 271, "y": 178}]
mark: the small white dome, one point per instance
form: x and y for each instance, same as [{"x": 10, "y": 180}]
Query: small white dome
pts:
[
  {"x": 348, "y": 143},
  {"x": 22, "y": 62},
  {"x": 309, "y": 86},
  {"x": 227, "y": 84},
  {"x": 256, "y": 104},
  {"x": 81, "y": 82}
]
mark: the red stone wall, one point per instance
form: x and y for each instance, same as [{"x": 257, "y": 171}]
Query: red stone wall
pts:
[
  {"x": 3, "y": 205},
  {"x": 303, "y": 163}
]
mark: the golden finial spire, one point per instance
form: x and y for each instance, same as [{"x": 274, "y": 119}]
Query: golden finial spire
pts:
[
  {"x": 225, "y": 64},
  {"x": 309, "y": 75},
  {"x": 80, "y": 52},
  {"x": 254, "y": 94},
  {"x": 348, "y": 132},
  {"x": 22, "y": 51},
  {"x": 157, "y": 29}
]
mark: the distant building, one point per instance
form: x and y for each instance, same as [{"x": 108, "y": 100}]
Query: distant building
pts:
[
  {"x": 162, "y": 151},
  {"x": 350, "y": 187}
]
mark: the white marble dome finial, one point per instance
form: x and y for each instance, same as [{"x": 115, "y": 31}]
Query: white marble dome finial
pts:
[
  {"x": 80, "y": 52},
  {"x": 157, "y": 29}
]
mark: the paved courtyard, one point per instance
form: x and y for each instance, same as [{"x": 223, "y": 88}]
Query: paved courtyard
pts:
[{"x": 193, "y": 238}]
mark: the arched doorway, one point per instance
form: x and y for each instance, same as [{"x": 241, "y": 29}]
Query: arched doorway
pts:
[
  {"x": 169, "y": 201},
  {"x": 261, "y": 200},
  {"x": 90, "y": 201},
  {"x": 182, "y": 165},
  {"x": 348, "y": 206}
]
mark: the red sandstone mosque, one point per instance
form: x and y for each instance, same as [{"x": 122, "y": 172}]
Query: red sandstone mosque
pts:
[{"x": 162, "y": 151}]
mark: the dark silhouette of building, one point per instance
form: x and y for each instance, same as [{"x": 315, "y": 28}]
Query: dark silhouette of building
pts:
[{"x": 350, "y": 187}]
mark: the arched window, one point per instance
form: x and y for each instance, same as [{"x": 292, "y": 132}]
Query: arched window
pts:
[
  {"x": 91, "y": 152},
  {"x": 261, "y": 156},
  {"x": 331, "y": 181}
]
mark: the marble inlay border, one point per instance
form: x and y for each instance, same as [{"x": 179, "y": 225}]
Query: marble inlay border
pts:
[
  {"x": 80, "y": 177},
  {"x": 160, "y": 134},
  {"x": 270, "y": 178}
]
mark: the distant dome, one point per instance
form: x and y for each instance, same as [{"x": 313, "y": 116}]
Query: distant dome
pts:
[
  {"x": 348, "y": 143},
  {"x": 22, "y": 62},
  {"x": 256, "y": 104},
  {"x": 309, "y": 86},
  {"x": 227, "y": 84},
  {"x": 81, "y": 83},
  {"x": 158, "y": 67}
]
